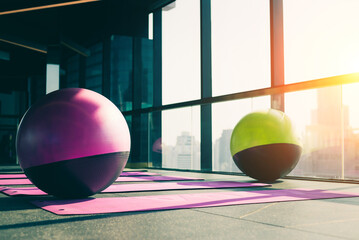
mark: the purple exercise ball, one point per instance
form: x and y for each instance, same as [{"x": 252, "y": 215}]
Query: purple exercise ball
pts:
[{"x": 73, "y": 143}]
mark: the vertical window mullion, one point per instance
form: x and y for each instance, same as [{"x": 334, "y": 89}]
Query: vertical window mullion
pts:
[
  {"x": 156, "y": 117},
  {"x": 277, "y": 51},
  {"x": 206, "y": 86}
]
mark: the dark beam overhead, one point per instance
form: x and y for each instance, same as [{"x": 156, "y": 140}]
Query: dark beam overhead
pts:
[
  {"x": 23, "y": 43},
  {"x": 16, "y": 6},
  {"x": 29, "y": 27}
]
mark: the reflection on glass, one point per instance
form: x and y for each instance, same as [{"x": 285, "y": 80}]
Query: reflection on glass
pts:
[
  {"x": 11, "y": 105},
  {"x": 181, "y": 138},
  {"x": 155, "y": 139},
  {"x": 225, "y": 116},
  {"x": 7, "y": 141},
  {"x": 94, "y": 68},
  {"x": 317, "y": 115},
  {"x": 72, "y": 71},
  {"x": 323, "y": 43},
  {"x": 121, "y": 72},
  {"x": 240, "y": 45},
  {"x": 38, "y": 88},
  {"x": 129, "y": 121},
  {"x": 145, "y": 137},
  {"x": 146, "y": 73},
  {"x": 351, "y": 130},
  {"x": 181, "y": 52},
  {"x": 129, "y": 124}
]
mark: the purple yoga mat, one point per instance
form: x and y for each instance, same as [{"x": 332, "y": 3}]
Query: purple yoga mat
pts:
[
  {"x": 117, "y": 188},
  {"x": 123, "y": 174},
  {"x": 197, "y": 200},
  {"x": 25, "y": 181}
]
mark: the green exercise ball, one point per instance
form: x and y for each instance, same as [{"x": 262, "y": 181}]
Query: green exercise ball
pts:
[{"x": 264, "y": 145}]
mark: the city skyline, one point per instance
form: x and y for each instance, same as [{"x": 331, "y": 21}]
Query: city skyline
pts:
[{"x": 330, "y": 143}]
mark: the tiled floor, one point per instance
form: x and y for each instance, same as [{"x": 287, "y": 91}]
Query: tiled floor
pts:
[{"x": 312, "y": 219}]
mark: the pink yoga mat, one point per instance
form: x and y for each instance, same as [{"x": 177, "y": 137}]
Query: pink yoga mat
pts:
[
  {"x": 25, "y": 181},
  {"x": 123, "y": 174},
  {"x": 197, "y": 200},
  {"x": 155, "y": 178},
  {"x": 117, "y": 188},
  {"x": 13, "y": 175},
  {"x": 20, "y": 181}
]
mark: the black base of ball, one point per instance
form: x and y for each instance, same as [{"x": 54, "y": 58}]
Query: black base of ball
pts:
[
  {"x": 80, "y": 177},
  {"x": 268, "y": 163}
]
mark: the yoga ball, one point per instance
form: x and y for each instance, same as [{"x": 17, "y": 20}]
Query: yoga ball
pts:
[
  {"x": 264, "y": 145},
  {"x": 73, "y": 143}
]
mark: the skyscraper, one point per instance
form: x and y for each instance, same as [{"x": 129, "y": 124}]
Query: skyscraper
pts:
[
  {"x": 222, "y": 155},
  {"x": 324, "y": 136}
]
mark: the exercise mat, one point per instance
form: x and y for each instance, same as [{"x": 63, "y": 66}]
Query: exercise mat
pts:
[
  {"x": 182, "y": 201},
  {"x": 123, "y": 174},
  {"x": 25, "y": 181},
  {"x": 118, "y": 188}
]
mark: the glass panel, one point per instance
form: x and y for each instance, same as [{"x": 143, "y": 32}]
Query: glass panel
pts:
[
  {"x": 7, "y": 143},
  {"x": 72, "y": 71},
  {"x": 12, "y": 106},
  {"x": 94, "y": 68},
  {"x": 121, "y": 72},
  {"x": 320, "y": 38},
  {"x": 129, "y": 121},
  {"x": 155, "y": 139},
  {"x": 145, "y": 137},
  {"x": 147, "y": 73},
  {"x": 9, "y": 105},
  {"x": 181, "y": 138},
  {"x": 225, "y": 116},
  {"x": 129, "y": 124},
  {"x": 240, "y": 45},
  {"x": 351, "y": 130},
  {"x": 316, "y": 114},
  {"x": 38, "y": 88},
  {"x": 181, "y": 52}
]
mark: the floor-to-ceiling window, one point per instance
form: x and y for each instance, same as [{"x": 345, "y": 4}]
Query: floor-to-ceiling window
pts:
[
  {"x": 162, "y": 94},
  {"x": 321, "y": 56},
  {"x": 181, "y": 75},
  {"x": 321, "y": 44}
]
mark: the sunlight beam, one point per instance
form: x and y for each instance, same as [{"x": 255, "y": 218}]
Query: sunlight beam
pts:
[{"x": 47, "y": 6}]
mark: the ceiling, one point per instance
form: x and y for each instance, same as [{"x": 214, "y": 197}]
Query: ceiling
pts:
[{"x": 81, "y": 24}]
